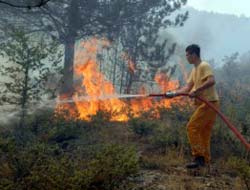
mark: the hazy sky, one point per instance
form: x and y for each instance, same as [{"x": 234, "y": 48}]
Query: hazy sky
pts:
[{"x": 237, "y": 7}]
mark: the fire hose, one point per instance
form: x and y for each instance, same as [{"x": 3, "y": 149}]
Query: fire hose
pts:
[{"x": 222, "y": 116}]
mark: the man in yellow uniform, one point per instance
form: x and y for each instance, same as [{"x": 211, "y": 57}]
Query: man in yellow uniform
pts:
[{"x": 201, "y": 82}]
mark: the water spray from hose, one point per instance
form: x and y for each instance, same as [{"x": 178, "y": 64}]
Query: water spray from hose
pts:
[{"x": 103, "y": 97}]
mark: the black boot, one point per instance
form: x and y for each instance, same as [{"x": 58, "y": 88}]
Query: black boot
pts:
[{"x": 199, "y": 161}]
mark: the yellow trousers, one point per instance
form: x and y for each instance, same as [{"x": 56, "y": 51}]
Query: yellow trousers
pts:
[{"x": 199, "y": 130}]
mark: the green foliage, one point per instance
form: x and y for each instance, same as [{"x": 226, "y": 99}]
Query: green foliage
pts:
[
  {"x": 222, "y": 136},
  {"x": 72, "y": 154},
  {"x": 63, "y": 154},
  {"x": 165, "y": 137},
  {"x": 242, "y": 168},
  {"x": 179, "y": 114},
  {"x": 166, "y": 132},
  {"x": 118, "y": 20},
  {"x": 39, "y": 166},
  {"x": 30, "y": 60},
  {"x": 27, "y": 167},
  {"x": 142, "y": 127},
  {"x": 233, "y": 87},
  {"x": 141, "y": 40},
  {"x": 111, "y": 166}
]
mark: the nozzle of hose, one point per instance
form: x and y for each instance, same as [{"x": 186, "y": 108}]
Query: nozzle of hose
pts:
[{"x": 170, "y": 94}]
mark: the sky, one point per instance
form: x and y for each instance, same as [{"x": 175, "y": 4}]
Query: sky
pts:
[{"x": 236, "y": 7}]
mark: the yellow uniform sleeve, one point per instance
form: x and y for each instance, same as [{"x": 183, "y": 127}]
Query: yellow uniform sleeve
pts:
[
  {"x": 206, "y": 71},
  {"x": 190, "y": 77}
]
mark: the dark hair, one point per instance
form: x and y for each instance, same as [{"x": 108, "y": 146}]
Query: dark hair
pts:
[{"x": 193, "y": 49}]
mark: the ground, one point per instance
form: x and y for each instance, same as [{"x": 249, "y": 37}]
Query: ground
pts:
[{"x": 178, "y": 178}]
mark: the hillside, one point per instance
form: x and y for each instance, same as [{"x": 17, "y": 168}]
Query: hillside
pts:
[
  {"x": 218, "y": 34},
  {"x": 141, "y": 154}
]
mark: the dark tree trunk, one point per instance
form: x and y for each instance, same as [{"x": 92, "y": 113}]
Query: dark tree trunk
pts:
[
  {"x": 19, "y": 133},
  {"x": 115, "y": 64},
  {"x": 130, "y": 82},
  {"x": 131, "y": 75},
  {"x": 68, "y": 73},
  {"x": 24, "y": 97},
  {"x": 122, "y": 76},
  {"x": 67, "y": 88}
]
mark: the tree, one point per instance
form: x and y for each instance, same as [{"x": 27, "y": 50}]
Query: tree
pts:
[
  {"x": 70, "y": 20},
  {"x": 29, "y": 62},
  {"x": 142, "y": 42},
  {"x": 233, "y": 86}
]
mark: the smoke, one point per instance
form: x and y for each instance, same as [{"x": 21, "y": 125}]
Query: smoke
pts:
[
  {"x": 217, "y": 34},
  {"x": 12, "y": 113}
]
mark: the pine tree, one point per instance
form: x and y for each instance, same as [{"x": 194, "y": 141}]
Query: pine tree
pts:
[{"x": 29, "y": 61}]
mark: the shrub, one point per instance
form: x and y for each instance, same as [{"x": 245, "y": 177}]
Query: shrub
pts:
[
  {"x": 107, "y": 169},
  {"x": 222, "y": 136},
  {"x": 163, "y": 137},
  {"x": 39, "y": 166},
  {"x": 33, "y": 167},
  {"x": 100, "y": 118},
  {"x": 112, "y": 165},
  {"x": 242, "y": 168},
  {"x": 178, "y": 114},
  {"x": 142, "y": 127}
]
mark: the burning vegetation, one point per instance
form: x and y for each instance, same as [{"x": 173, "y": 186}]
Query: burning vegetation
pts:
[
  {"x": 96, "y": 93},
  {"x": 107, "y": 133}
]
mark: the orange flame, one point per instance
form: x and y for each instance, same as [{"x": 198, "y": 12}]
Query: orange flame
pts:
[{"x": 94, "y": 85}]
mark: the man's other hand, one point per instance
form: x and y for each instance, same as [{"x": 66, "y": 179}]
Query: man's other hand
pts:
[{"x": 193, "y": 93}]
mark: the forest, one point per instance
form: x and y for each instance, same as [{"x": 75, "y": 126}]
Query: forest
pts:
[{"x": 74, "y": 110}]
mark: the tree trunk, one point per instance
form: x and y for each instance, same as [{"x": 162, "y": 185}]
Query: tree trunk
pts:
[
  {"x": 24, "y": 97},
  {"x": 67, "y": 88},
  {"x": 130, "y": 82},
  {"x": 115, "y": 64},
  {"x": 122, "y": 76},
  {"x": 131, "y": 75},
  {"x": 19, "y": 130},
  {"x": 68, "y": 72}
]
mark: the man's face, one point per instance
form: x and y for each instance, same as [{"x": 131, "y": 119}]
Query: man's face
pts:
[{"x": 190, "y": 57}]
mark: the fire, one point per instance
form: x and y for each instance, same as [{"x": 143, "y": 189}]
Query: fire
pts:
[
  {"x": 97, "y": 86},
  {"x": 100, "y": 94},
  {"x": 166, "y": 85},
  {"x": 137, "y": 105}
]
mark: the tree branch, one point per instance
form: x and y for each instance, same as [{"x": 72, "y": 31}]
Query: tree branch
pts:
[{"x": 42, "y": 3}]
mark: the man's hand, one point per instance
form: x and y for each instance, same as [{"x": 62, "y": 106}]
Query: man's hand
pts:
[
  {"x": 193, "y": 93},
  {"x": 170, "y": 94}
]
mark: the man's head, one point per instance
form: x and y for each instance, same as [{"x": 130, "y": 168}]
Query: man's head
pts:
[{"x": 193, "y": 53}]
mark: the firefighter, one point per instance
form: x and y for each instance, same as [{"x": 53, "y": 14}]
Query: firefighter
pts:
[{"x": 201, "y": 82}]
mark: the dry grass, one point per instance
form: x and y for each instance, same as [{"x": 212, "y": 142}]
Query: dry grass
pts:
[{"x": 172, "y": 159}]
